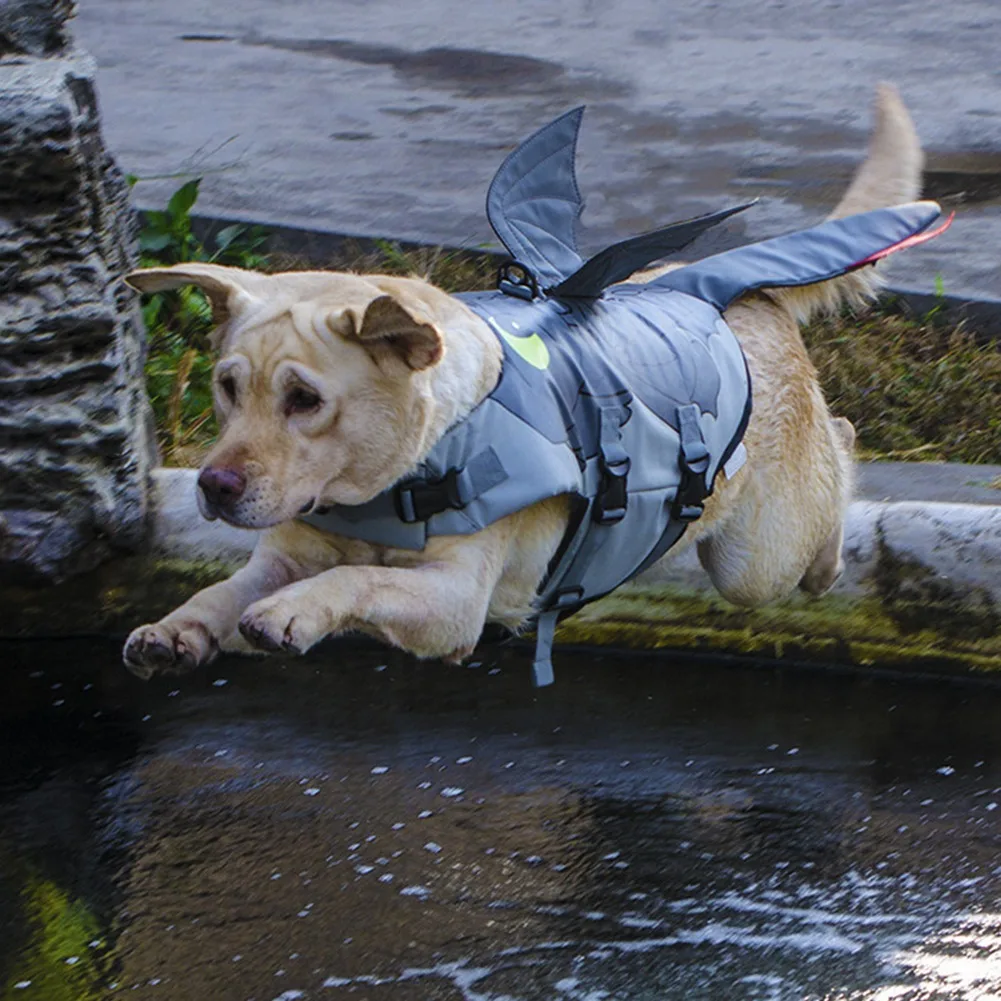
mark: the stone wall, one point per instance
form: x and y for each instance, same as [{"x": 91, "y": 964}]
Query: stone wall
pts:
[{"x": 75, "y": 430}]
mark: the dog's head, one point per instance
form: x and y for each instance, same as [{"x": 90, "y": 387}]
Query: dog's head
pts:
[{"x": 324, "y": 386}]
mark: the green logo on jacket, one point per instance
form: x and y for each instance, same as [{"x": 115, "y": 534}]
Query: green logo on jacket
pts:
[{"x": 531, "y": 347}]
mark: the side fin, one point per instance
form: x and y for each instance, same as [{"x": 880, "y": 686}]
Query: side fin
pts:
[
  {"x": 534, "y": 203},
  {"x": 618, "y": 262},
  {"x": 812, "y": 255}
]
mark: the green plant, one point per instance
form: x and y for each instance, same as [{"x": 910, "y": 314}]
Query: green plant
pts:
[
  {"x": 451, "y": 270},
  {"x": 179, "y": 365}
]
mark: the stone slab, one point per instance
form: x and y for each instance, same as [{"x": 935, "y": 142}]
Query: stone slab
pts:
[
  {"x": 922, "y": 588},
  {"x": 921, "y": 593}
]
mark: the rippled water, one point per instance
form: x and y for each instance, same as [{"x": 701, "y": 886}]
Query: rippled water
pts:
[{"x": 357, "y": 825}]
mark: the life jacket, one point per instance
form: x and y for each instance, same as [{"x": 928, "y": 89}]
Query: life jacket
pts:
[{"x": 627, "y": 398}]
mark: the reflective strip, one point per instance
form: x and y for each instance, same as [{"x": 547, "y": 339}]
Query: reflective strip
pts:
[{"x": 736, "y": 462}]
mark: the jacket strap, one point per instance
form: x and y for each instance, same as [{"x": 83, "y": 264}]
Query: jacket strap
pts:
[
  {"x": 694, "y": 459},
  {"x": 613, "y": 494},
  {"x": 420, "y": 499},
  {"x": 542, "y": 666},
  {"x": 545, "y": 631}
]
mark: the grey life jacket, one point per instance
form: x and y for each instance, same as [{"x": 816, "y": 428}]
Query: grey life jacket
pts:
[{"x": 626, "y": 398}]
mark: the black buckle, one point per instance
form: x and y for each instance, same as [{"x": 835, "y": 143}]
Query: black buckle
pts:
[
  {"x": 419, "y": 500},
  {"x": 515, "y": 279},
  {"x": 694, "y": 461},
  {"x": 613, "y": 496},
  {"x": 688, "y": 505},
  {"x": 689, "y": 501}
]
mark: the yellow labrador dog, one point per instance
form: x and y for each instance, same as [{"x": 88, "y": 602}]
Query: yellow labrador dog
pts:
[{"x": 332, "y": 387}]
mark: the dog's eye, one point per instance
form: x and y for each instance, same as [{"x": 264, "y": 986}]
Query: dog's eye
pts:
[
  {"x": 228, "y": 385},
  {"x": 300, "y": 400}
]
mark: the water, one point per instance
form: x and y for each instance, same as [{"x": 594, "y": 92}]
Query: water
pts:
[{"x": 356, "y": 825}]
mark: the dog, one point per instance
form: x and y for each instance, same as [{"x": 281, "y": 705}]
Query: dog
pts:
[{"x": 332, "y": 387}]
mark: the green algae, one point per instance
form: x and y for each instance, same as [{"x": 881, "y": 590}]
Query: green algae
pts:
[{"x": 64, "y": 957}]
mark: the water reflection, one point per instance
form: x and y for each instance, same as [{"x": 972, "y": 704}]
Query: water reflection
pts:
[{"x": 379, "y": 829}]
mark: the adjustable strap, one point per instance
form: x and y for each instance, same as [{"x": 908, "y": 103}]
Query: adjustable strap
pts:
[
  {"x": 612, "y": 497},
  {"x": 545, "y": 631},
  {"x": 419, "y": 500},
  {"x": 694, "y": 461},
  {"x": 542, "y": 666}
]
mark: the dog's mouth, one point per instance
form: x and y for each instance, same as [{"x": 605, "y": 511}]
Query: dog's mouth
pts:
[{"x": 212, "y": 513}]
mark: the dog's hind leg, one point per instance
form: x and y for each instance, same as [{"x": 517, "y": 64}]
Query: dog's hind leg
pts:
[
  {"x": 785, "y": 528},
  {"x": 766, "y": 547},
  {"x": 829, "y": 565}
]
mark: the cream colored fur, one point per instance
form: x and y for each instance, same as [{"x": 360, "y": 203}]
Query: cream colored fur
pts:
[{"x": 394, "y": 362}]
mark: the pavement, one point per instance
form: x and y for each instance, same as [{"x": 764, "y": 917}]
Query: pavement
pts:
[
  {"x": 387, "y": 119},
  {"x": 941, "y": 482},
  {"x": 355, "y": 824}
]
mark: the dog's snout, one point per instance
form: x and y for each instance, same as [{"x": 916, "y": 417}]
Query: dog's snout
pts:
[{"x": 222, "y": 486}]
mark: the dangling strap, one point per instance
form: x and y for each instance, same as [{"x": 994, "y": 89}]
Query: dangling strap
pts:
[{"x": 545, "y": 631}]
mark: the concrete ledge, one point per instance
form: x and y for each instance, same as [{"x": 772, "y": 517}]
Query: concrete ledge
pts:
[
  {"x": 922, "y": 587},
  {"x": 921, "y": 591}
]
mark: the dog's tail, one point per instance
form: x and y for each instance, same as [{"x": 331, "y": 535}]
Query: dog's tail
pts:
[{"x": 890, "y": 175}]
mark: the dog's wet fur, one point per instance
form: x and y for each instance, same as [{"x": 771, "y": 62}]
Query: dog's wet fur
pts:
[{"x": 331, "y": 387}]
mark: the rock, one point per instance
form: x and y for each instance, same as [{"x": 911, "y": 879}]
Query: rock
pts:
[
  {"x": 75, "y": 428},
  {"x": 34, "y": 27}
]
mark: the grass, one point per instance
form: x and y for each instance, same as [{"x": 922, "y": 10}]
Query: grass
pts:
[{"x": 915, "y": 388}]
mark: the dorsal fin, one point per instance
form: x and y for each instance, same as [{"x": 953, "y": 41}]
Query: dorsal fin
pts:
[
  {"x": 534, "y": 203},
  {"x": 807, "y": 256},
  {"x": 618, "y": 262}
]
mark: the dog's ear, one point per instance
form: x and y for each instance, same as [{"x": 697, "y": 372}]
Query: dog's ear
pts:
[
  {"x": 226, "y": 288},
  {"x": 393, "y": 334}
]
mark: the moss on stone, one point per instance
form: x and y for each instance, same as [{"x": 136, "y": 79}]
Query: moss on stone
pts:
[
  {"x": 911, "y": 619},
  {"x": 832, "y": 630},
  {"x": 918, "y": 599}
]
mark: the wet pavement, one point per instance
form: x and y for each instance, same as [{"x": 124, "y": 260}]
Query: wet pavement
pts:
[
  {"x": 942, "y": 482},
  {"x": 357, "y": 825},
  {"x": 387, "y": 119}
]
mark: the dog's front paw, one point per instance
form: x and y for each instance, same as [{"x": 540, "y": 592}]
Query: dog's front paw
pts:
[
  {"x": 168, "y": 648},
  {"x": 280, "y": 625}
]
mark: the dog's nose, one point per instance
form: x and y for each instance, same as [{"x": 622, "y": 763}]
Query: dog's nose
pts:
[{"x": 222, "y": 487}]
